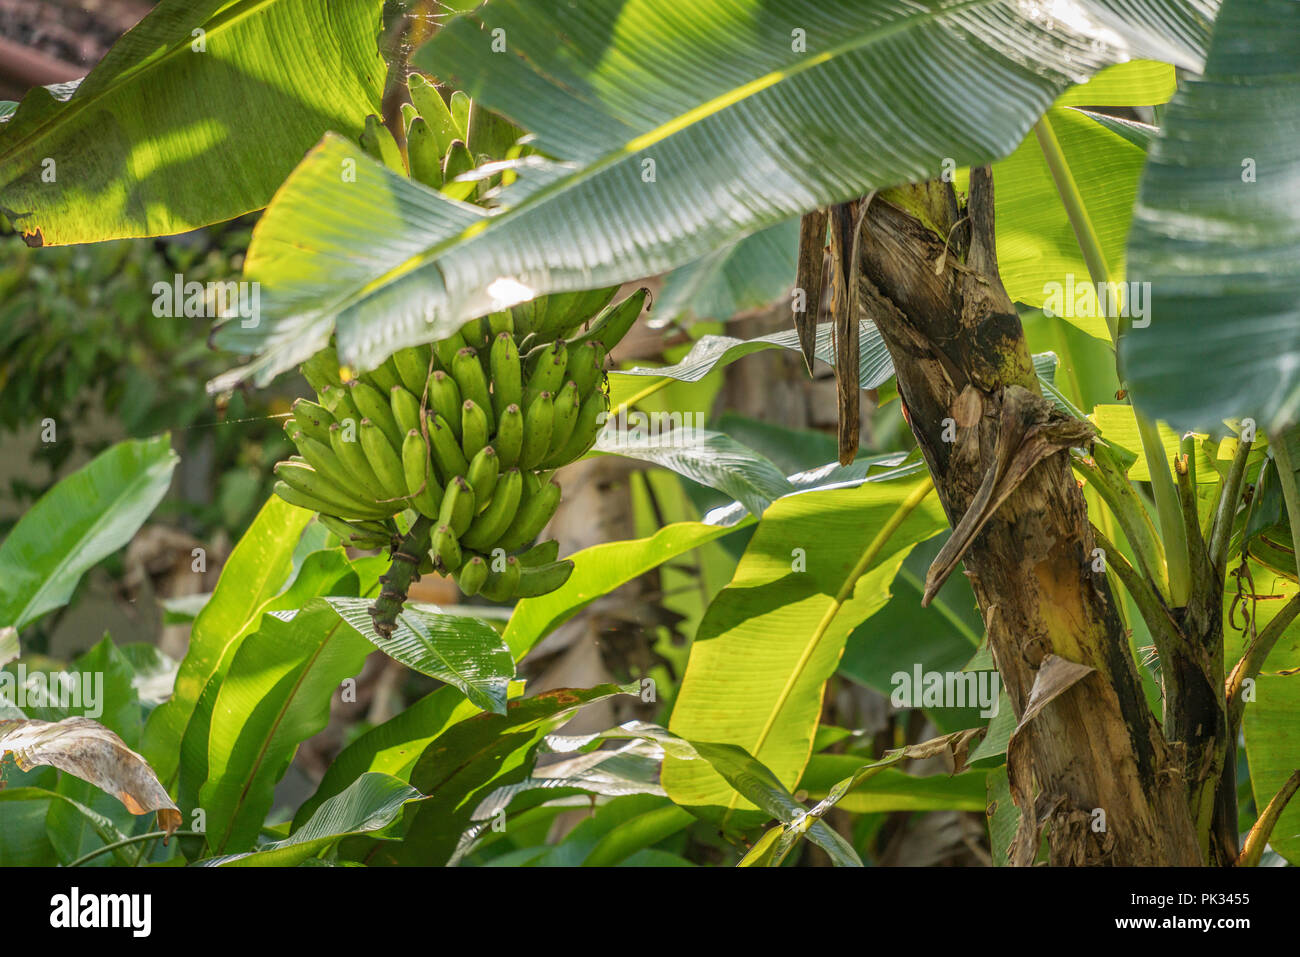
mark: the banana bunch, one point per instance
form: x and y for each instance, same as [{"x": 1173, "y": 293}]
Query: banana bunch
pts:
[
  {"x": 465, "y": 434},
  {"x": 444, "y": 453}
]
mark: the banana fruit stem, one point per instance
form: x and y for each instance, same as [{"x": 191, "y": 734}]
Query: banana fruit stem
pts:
[{"x": 406, "y": 555}]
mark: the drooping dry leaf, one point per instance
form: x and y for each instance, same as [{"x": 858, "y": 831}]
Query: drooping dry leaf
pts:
[
  {"x": 812, "y": 260},
  {"x": 1055, "y": 676},
  {"x": 88, "y": 750}
]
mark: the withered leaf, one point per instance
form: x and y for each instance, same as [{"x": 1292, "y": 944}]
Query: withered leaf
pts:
[{"x": 90, "y": 751}]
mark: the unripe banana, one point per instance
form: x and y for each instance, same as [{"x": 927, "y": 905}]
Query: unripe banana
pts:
[
  {"x": 500, "y": 586},
  {"x": 383, "y": 377},
  {"x": 303, "y": 478},
  {"x": 613, "y": 324},
  {"x": 446, "y": 349},
  {"x": 499, "y": 322},
  {"x": 312, "y": 419},
  {"x": 322, "y": 369},
  {"x": 496, "y": 518},
  {"x": 433, "y": 110},
  {"x": 472, "y": 575},
  {"x": 423, "y": 153},
  {"x": 482, "y": 476},
  {"x": 531, "y": 518},
  {"x": 564, "y": 312},
  {"x": 547, "y": 372},
  {"x": 537, "y": 431},
  {"x": 321, "y": 457},
  {"x": 357, "y": 534},
  {"x": 473, "y": 428},
  {"x": 584, "y": 367},
  {"x": 379, "y": 143},
  {"x": 460, "y": 107},
  {"x": 458, "y": 160},
  {"x": 509, "y": 441},
  {"x": 444, "y": 399},
  {"x": 446, "y": 549},
  {"x": 406, "y": 408},
  {"x": 446, "y": 450},
  {"x": 589, "y": 424},
  {"x": 543, "y": 553},
  {"x": 345, "y": 442},
  {"x": 302, "y": 500},
  {"x": 421, "y": 484},
  {"x": 457, "y": 511},
  {"x": 542, "y": 579},
  {"x": 413, "y": 368},
  {"x": 567, "y": 405},
  {"x": 471, "y": 381},
  {"x": 338, "y": 400},
  {"x": 385, "y": 462},
  {"x": 507, "y": 375},
  {"x": 376, "y": 407}
]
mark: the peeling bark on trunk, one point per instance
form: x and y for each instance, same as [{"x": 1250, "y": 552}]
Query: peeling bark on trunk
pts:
[{"x": 929, "y": 280}]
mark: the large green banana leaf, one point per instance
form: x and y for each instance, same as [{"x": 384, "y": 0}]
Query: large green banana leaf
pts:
[
  {"x": 674, "y": 130},
  {"x": 195, "y": 116},
  {"x": 254, "y": 573},
  {"x": 275, "y": 696},
  {"x": 819, "y": 564},
  {"x": 81, "y": 520},
  {"x": 1217, "y": 233}
]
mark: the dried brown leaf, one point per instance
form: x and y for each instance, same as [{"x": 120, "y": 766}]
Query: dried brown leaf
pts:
[{"x": 90, "y": 751}]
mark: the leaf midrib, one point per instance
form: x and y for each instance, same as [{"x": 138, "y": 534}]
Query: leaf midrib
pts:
[{"x": 657, "y": 135}]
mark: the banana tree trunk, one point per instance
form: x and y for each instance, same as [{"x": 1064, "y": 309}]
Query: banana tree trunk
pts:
[{"x": 1088, "y": 758}]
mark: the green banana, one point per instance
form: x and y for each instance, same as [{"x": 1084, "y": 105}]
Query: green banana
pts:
[
  {"x": 457, "y": 511},
  {"x": 354, "y": 461},
  {"x": 472, "y": 383},
  {"x": 584, "y": 367},
  {"x": 446, "y": 450},
  {"x": 533, "y": 514},
  {"x": 433, "y": 110},
  {"x": 496, "y": 518},
  {"x": 540, "y": 554},
  {"x": 413, "y": 368},
  {"x": 482, "y": 476},
  {"x": 385, "y": 462},
  {"x": 613, "y": 324},
  {"x": 538, "y": 421},
  {"x": 588, "y": 426},
  {"x": 509, "y": 441},
  {"x": 507, "y": 374},
  {"x": 460, "y": 104},
  {"x": 305, "y": 479},
  {"x": 500, "y": 586},
  {"x": 444, "y": 399},
  {"x": 421, "y": 485},
  {"x": 383, "y": 377},
  {"x": 458, "y": 160},
  {"x": 338, "y": 400},
  {"x": 499, "y": 322},
  {"x": 321, "y": 457},
  {"x": 446, "y": 349},
  {"x": 547, "y": 371},
  {"x": 542, "y": 579},
  {"x": 473, "y": 429},
  {"x": 406, "y": 408},
  {"x": 322, "y": 369},
  {"x": 379, "y": 143},
  {"x": 567, "y": 405},
  {"x": 472, "y": 575},
  {"x": 376, "y": 407},
  {"x": 357, "y": 534},
  {"x": 446, "y": 549},
  {"x": 565, "y": 311},
  {"x": 312, "y": 419},
  {"x": 423, "y": 153}
]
